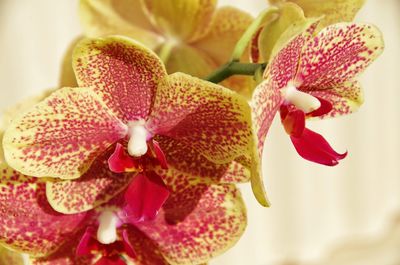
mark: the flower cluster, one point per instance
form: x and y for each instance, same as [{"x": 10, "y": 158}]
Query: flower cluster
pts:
[{"x": 134, "y": 159}]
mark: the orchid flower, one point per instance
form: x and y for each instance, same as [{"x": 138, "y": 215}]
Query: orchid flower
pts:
[
  {"x": 128, "y": 114},
  {"x": 109, "y": 223},
  {"x": 125, "y": 96},
  {"x": 314, "y": 76},
  {"x": 197, "y": 46},
  {"x": 291, "y": 12},
  {"x": 198, "y": 222}
]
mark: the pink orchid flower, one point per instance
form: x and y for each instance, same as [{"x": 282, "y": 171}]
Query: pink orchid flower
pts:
[
  {"x": 196, "y": 223},
  {"x": 314, "y": 76},
  {"x": 127, "y": 112}
]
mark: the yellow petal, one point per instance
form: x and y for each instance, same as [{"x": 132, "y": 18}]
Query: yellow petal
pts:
[
  {"x": 333, "y": 10},
  {"x": 11, "y": 113},
  {"x": 123, "y": 17},
  {"x": 67, "y": 75},
  {"x": 181, "y": 19},
  {"x": 228, "y": 26},
  {"x": 289, "y": 14},
  {"x": 211, "y": 119},
  {"x": 9, "y": 257},
  {"x": 189, "y": 60}
]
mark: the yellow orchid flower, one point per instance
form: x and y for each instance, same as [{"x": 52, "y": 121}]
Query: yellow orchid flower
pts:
[{"x": 193, "y": 37}]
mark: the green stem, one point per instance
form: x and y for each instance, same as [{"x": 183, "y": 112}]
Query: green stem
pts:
[
  {"x": 268, "y": 14},
  {"x": 234, "y": 68}
]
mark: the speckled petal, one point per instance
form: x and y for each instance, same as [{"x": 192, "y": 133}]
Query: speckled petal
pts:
[
  {"x": 216, "y": 223},
  {"x": 147, "y": 251},
  {"x": 266, "y": 101},
  {"x": 117, "y": 17},
  {"x": 167, "y": 16},
  {"x": 345, "y": 98},
  {"x": 334, "y": 11},
  {"x": 338, "y": 54},
  {"x": 96, "y": 187},
  {"x": 185, "y": 161},
  {"x": 287, "y": 51},
  {"x": 209, "y": 118},
  {"x": 66, "y": 255},
  {"x": 62, "y": 135},
  {"x": 121, "y": 71},
  {"x": 13, "y": 112},
  {"x": 27, "y": 222}
]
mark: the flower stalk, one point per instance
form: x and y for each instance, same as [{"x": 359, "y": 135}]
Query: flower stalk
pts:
[{"x": 234, "y": 68}]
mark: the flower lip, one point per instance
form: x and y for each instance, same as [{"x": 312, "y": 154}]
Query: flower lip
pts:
[{"x": 303, "y": 101}]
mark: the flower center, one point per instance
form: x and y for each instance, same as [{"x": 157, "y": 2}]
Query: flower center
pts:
[
  {"x": 301, "y": 100},
  {"x": 107, "y": 230},
  {"x": 137, "y": 145}
]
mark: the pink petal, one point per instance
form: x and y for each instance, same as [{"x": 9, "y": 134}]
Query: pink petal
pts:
[
  {"x": 128, "y": 248},
  {"x": 207, "y": 117},
  {"x": 27, "y": 221},
  {"x": 99, "y": 185},
  {"x": 344, "y": 98},
  {"x": 313, "y": 147},
  {"x": 123, "y": 72},
  {"x": 113, "y": 260},
  {"x": 293, "y": 120},
  {"x": 216, "y": 223},
  {"x": 267, "y": 100},
  {"x": 121, "y": 162},
  {"x": 147, "y": 251},
  {"x": 158, "y": 153},
  {"x": 87, "y": 244},
  {"x": 185, "y": 162},
  {"x": 61, "y": 136},
  {"x": 65, "y": 255},
  {"x": 325, "y": 108},
  {"x": 338, "y": 54},
  {"x": 144, "y": 197},
  {"x": 288, "y": 58}
]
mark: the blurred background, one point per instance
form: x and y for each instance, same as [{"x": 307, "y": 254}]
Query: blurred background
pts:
[{"x": 346, "y": 215}]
